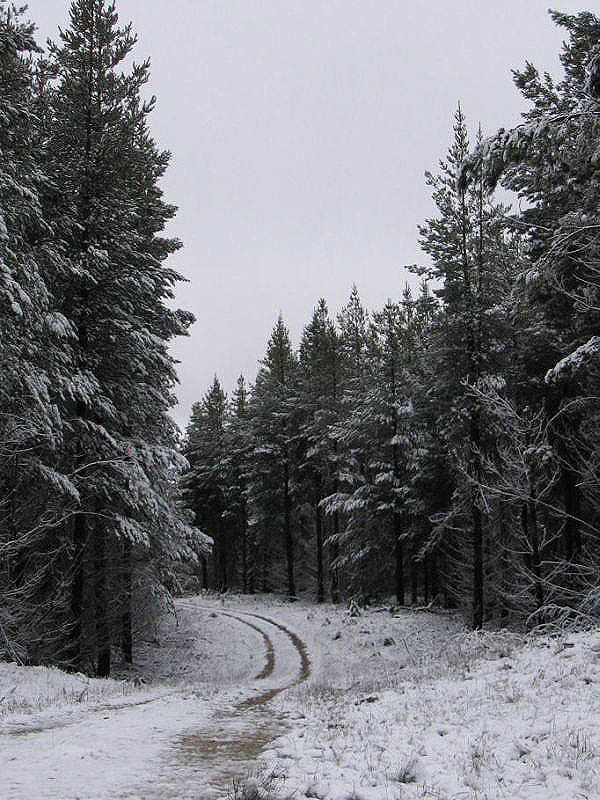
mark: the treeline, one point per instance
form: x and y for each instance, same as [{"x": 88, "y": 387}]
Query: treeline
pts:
[
  {"x": 90, "y": 517},
  {"x": 445, "y": 448}
]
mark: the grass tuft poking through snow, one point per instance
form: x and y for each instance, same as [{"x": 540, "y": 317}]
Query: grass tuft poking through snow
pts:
[{"x": 264, "y": 786}]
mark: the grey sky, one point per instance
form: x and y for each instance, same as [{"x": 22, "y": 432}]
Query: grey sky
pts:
[{"x": 300, "y": 131}]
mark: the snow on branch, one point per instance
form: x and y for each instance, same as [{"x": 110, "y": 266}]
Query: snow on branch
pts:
[{"x": 574, "y": 362}]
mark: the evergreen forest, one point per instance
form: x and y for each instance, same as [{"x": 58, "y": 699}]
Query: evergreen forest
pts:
[
  {"x": 91, "y": 520},
  {"x": 443, "y": 450}
]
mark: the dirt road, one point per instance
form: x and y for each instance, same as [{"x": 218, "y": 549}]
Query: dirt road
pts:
[
  {"x": 180, "y": 745},
  {"x": 207, "y": 762}
]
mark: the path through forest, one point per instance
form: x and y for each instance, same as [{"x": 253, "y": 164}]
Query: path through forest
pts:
[
  {"x": 394, "y": 703},
  {"x": 207, "y": 762},
  {"x": 178, "y": 745}
]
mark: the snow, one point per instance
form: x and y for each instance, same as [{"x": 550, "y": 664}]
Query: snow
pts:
[
  {"x": 569, "y": 365},
  {"x": 109, "y": 741},
  {"x": 443, "y": 713},
  {"x": 399, "y": 704},
  {"x": 95, "y": 757},
  {"x": 32, "y": 695},
  {"x": 59, "y": 325}
]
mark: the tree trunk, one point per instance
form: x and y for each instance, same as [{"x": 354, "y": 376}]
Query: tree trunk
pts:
[
  {"x": 397, "y": 524},
  {"x": 77, "y": 592},
  {"x": 572, "y": 502},
  {"x": 224, "y": 585},
  {"x": 204, "y": 572},
  {"x": 319, "y": 533},
  {"x": 223, "y": 572},
  {"x": 433, "y": 571},
  {"x": 414, "y": 580},
  {"x": 399, "y": 558},
  {"x": 126, "y": 620},
  {"x": 561, "y": 435},
  {"x": 334, "y": 548},
  {"x": 530, "y": 529},
  {"x": 244, "y": 552},
  {"x": 289, "y": 541},
  {"x": 266, "y": 584},
  {"x": 477, "y": 523},
  {"x": 102, "y": 622},
  {"x": 252, "y": 565},
  {"x": 477, "y": 566},
  {"x": 334, "y": 552}
]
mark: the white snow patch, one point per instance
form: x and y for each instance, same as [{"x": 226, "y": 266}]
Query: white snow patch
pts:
[{"x": 574, "y": 361}]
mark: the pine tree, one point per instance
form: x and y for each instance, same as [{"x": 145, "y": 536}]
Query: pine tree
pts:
[
  {"x": 352, "y": 323},
  {"x": 551, "y": 162},
  {"x": 206, "y": 488},
  {"x": 470, "y": 255},
  {"x": 376, "y": 445},
  {"x": 238, "y": 448},
  {"x": 35, "y": 493},
  {"x": 319, "y": 396},
  {"x": 273, "y": 414},
  {"x": 429, "y": 488},
  {"x": 108, "y": 211}
]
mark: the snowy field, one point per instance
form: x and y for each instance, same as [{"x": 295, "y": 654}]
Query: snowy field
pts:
[{"x": 397, "y": 705}]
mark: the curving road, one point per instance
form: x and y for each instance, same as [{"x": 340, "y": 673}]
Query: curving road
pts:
[
  {"x": 177, "y": 746},
  {"x": 205, "y": 763},
  {"x": 269, "y": 668}
]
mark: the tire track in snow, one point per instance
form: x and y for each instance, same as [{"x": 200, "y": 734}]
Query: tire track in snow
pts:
[
  {"x": 267, "y": 670},
  {"x": 21, "y": 729},
  {"x": 299, "y": 645},
  {"x": 208, "y": 761},
  {"x": 304, "y": 673}
]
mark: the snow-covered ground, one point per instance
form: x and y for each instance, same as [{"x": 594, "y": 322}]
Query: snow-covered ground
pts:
[
  {"x": 186, "y": 733},
  {"x": 397, "y": 705},
  {"x": 412, "y": 705}
]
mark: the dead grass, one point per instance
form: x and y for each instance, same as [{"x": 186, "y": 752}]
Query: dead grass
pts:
[
  {"x": 24, "y": 690},
  {"x": 263, "y": 786}
]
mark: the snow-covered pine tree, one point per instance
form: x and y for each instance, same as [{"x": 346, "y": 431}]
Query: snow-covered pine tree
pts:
[
  {"x": 107, "y": 207},
  {"x": 396, "y": 340},
  {"x": 375, "y": 444},
  {"x": 35, "y": 495},
  {"x": 206, "y": 488},
  {"x": 236, "y": 460},
  {"x": 352, "y": 322},
  {"x": 319, "y": 395},
  {"x": 551, "y": 161},
  {"x": 427, "y": 487},
  {"x": 273, "y": 413},
  {"x": 471, "y": 258}
]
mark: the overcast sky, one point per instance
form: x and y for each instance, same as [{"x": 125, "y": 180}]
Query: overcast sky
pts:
[{"x": 300, "y": 131}]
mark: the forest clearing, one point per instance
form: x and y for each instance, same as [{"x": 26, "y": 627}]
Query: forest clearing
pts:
[{"x": 395, "y": 704}]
